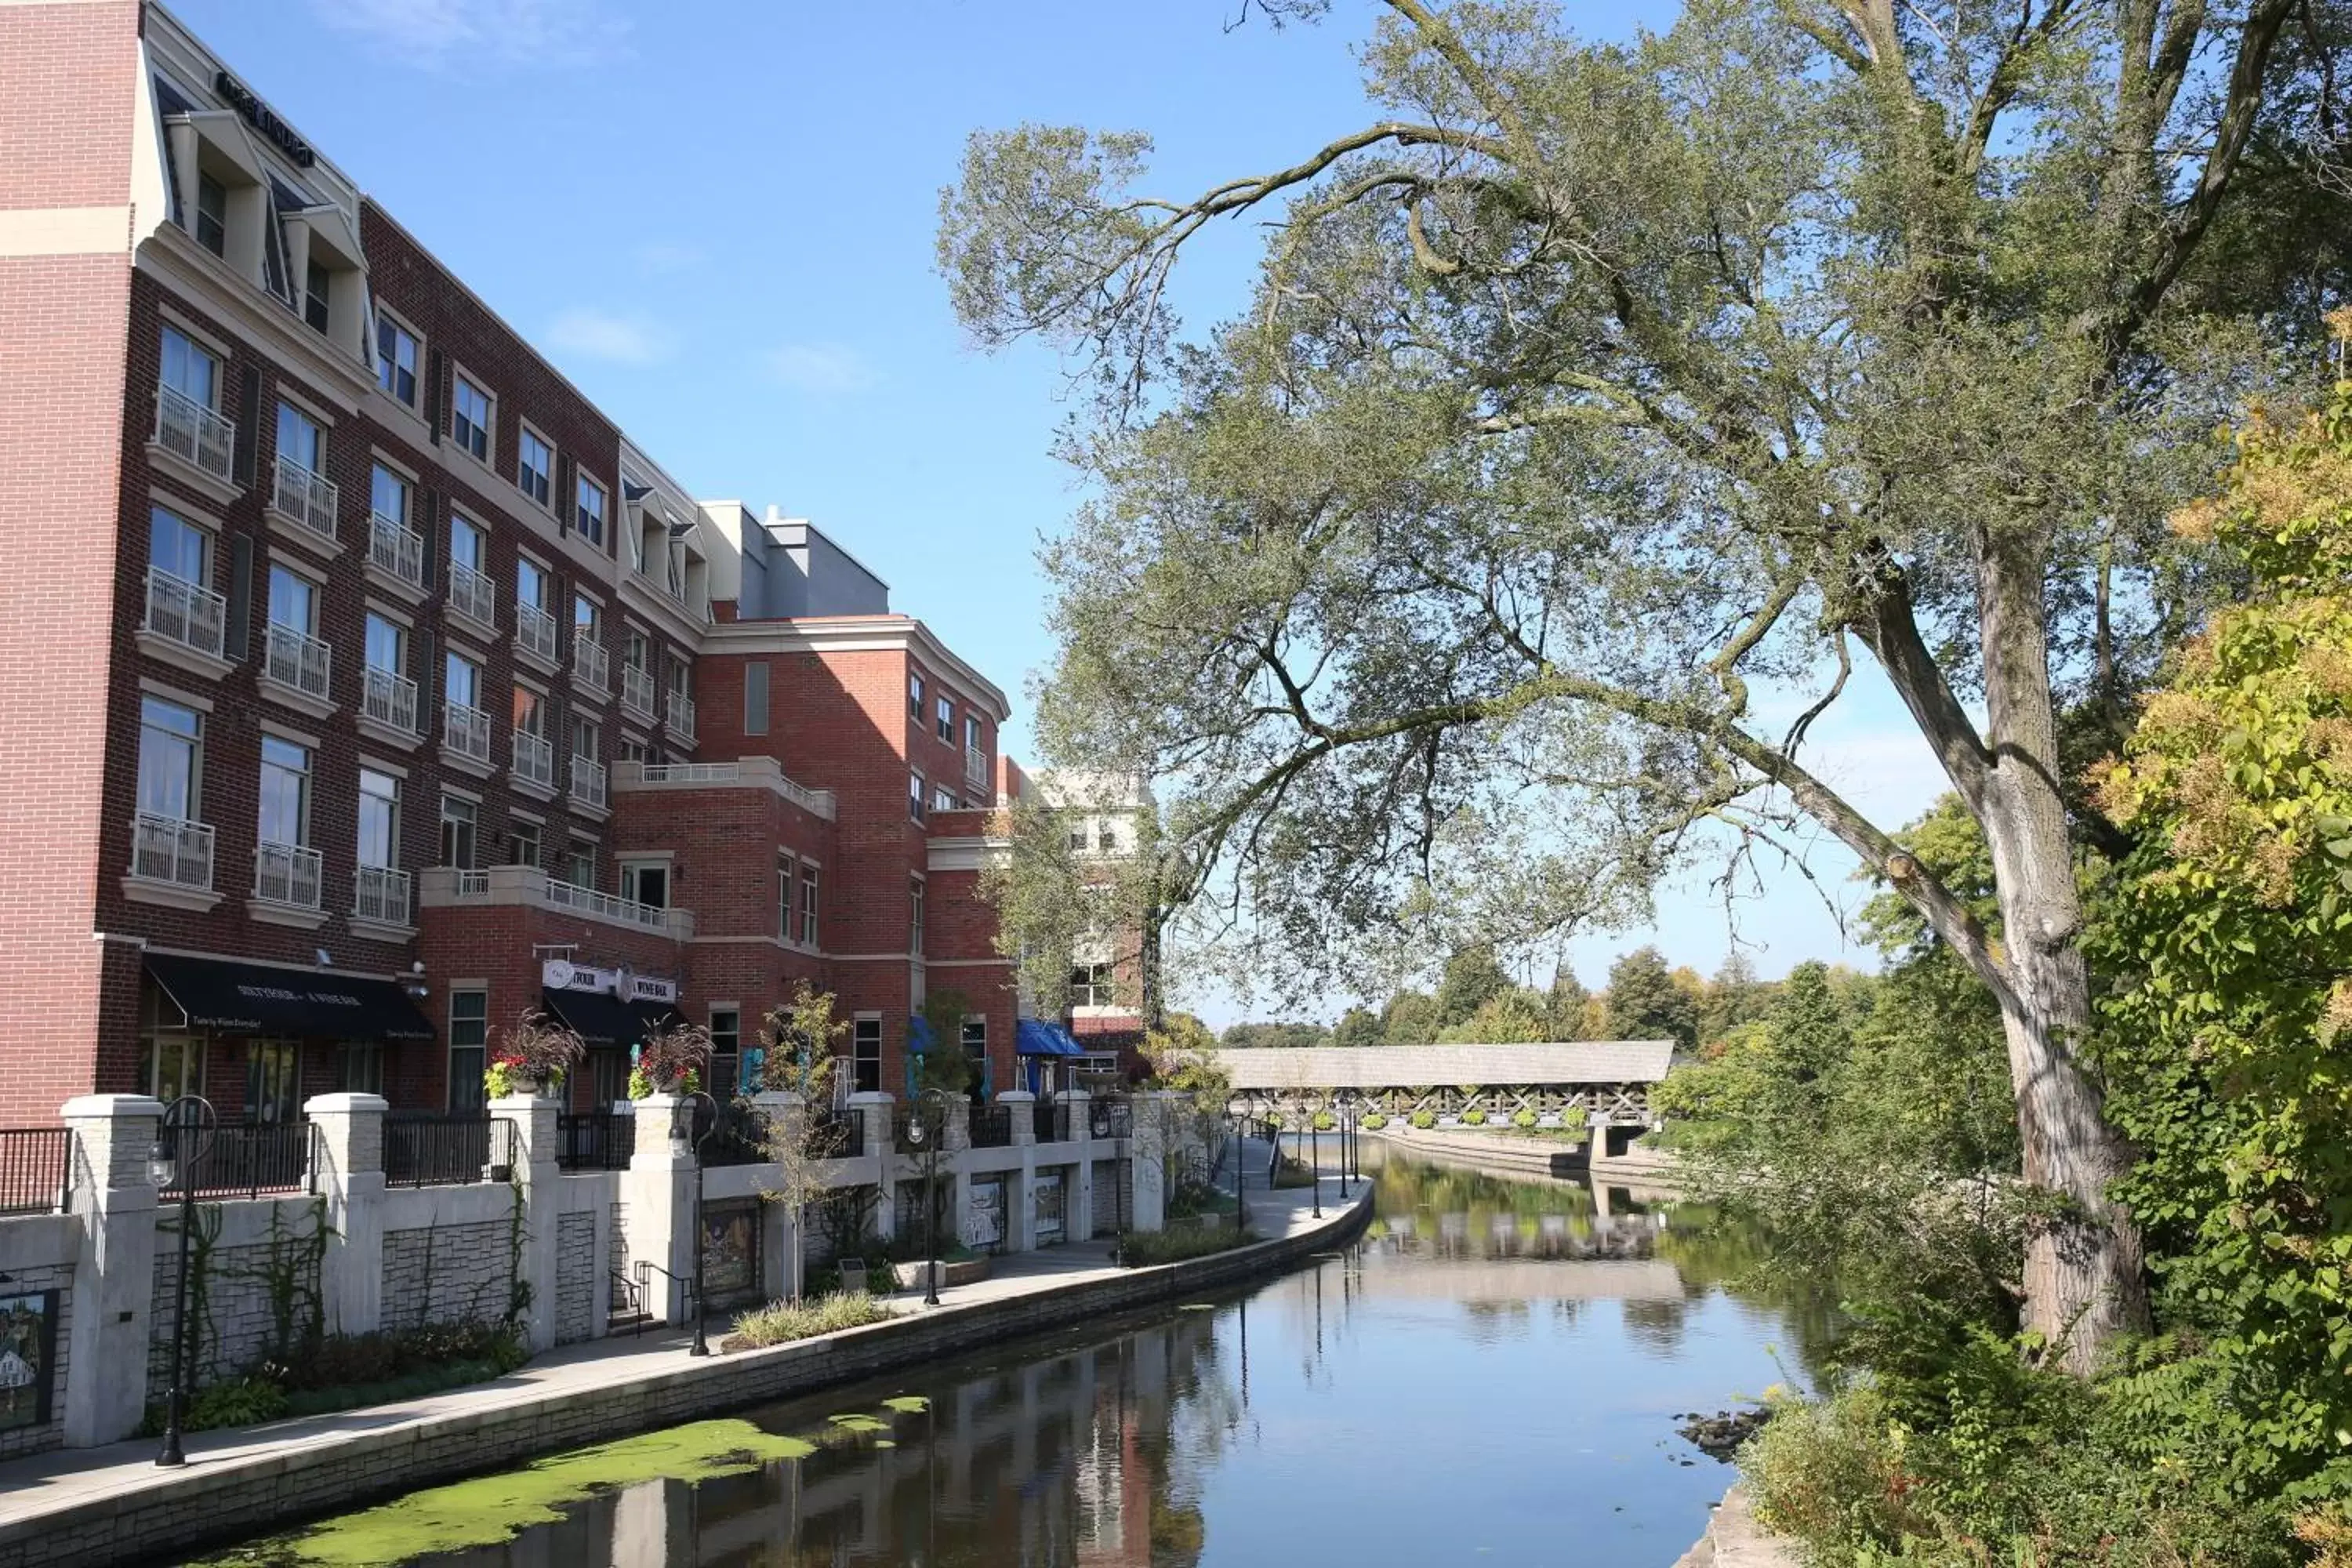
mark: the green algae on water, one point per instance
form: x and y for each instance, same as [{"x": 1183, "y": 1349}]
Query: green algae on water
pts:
[
  {"x": 907, "y": 1404},
  {"x": 488, "y": 1509},
  {"x": 859, "y": 1421}
]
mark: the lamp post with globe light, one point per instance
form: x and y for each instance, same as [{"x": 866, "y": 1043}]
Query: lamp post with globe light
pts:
[{"x": 181, "y": 1140}]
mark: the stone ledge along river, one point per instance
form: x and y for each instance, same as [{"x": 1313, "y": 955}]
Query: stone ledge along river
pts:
[{"x": 1493, "y": 1375}]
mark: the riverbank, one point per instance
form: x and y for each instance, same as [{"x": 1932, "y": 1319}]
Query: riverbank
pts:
[
  {"x": 1532, "y": 1155},
  {"x": 1733, "y": 1539},
  {"x": 106, "y": 1506}
]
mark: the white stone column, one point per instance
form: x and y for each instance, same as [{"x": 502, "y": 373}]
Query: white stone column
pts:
[
  {"x": 535, "y": 1175},
  {"x": 1078, "y": 1186},
  {"x": 351, "y": 1180},
  {"x": 114, "y": 1208},
  {"x": 786, "y": 1116},
  {"x": 1151, "y": 1141},
  {"x": 657, "y": 1194},
  {"x": 1020, "y": 1185},
  {"x": 877, "y": 1108},
  {"x": 955, "y": 1211}
]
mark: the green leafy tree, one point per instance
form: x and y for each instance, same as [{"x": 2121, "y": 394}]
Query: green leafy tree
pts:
[
  {"x": 1357, "y": 1026},
  {"x": 1473, "y": 978},
  {"x": 1733, "y": 998},
  {"x": 1644, "y": 1003},
  {"x": 1409, "y": 1018},
  {"x": 1054, "y": 901},
  {"x": 1514, "y": 1017},
  {"x": 1566, "y": 1006},
  {"x": 1586, "y": 383}
]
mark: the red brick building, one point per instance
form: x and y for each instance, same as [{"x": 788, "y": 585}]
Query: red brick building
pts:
[{"x": 370, "y": 689}]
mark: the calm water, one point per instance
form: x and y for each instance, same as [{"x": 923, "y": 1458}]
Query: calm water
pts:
[{"x": 1492, "y": 1376}]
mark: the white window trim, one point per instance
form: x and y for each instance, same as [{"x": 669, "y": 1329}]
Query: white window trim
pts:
[
  {"x": 490, "y": 457},
  {"x": 288, "y": 733},
  {"x": 526, "y": 428},
  {"x": 187, "y": 327},
  {"x": 209, "y": 521},
  {"x": 379, "y": 454},
  {"x": 397, "y": 770},
  {"x": 405, "y": 325},
  {"x": 149, "y": 686}
]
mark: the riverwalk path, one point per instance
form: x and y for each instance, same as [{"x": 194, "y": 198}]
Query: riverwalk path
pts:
[{"x": 92, "y": 1507}]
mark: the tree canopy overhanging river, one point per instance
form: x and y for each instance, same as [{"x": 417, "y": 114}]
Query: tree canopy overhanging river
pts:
[{"x": 1493, "y": 1375}]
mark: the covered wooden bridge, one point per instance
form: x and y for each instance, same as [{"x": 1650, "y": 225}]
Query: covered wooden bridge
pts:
[{"x": 1562, "y": 1083}]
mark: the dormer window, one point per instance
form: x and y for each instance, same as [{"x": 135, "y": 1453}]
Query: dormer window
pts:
[
  {"x": 212, "y": 214},
  {"x": 314, "y": 295}
]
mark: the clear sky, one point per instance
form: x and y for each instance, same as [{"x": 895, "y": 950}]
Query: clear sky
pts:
[{"x": 717, "y": 217}]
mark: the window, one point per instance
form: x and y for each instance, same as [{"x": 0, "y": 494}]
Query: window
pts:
[
  {"x": 523, "y": 843},
  {"x": 530, "y": 712},
  {"x": 914, "y": 697},
  {"x": 461, "y": 682},
  {"x": 1078, "y": 839},
  {"x": 972, "y": 733},
  {"x": 584, "y": 737},
  {"x": 190, "y": 371},
  {"x": 468, "y": 546},
  {"x": 293, "y": 601},
  {"x": 915, "y": 797},
  {"x": 808, "y": 904},
  {"x": 636, "y": 651},
  {"x": 284, "y": 791},
  {"x": 212, "y": 214},
  {"x": 681, "y": 678},
  {"x": 942, "y": 799},
  {"x": 388, "y": 494},
  {"x": 359, "y": 1067},
  {"x": 395, "y": 361},
  {"x": 534, "y": 463},
  {"x": 947, "y": 720},
  {"x": 530, "y": 583},
  {"x": 300, "y": 441},
  {"x": 457, "y": 817},
  {"x": 675, "y": 577},
  {"x": 579, "y": 864},
  {"x": 273, "y": 1080},
  {"x": 387, "y": 645},
  {"x": 976, "y": 1051},
  {"x": 469, "y": 420},
  {"x": 915, "y": 915},
  {"x": 378, "y": 818},
  {"x": 469, "y": 1032},
  {"x": 645, "y": 882},
  {"x": 314, "y": 296},
  {"x": 1105, "y": 838},
  {"x": 590, "y": 511},
  {"x": 1090, "y": 985},
  {"x": 866, "y": 1056},
  {"x": 176, "y": 546},
  {"x": 587, "y": 619},
  {"x": 635, "y": 751},
  {"x": 726, "y": 1041},
  {"x": 171, "y": 759},
  {"x": 785, "y": 867}
]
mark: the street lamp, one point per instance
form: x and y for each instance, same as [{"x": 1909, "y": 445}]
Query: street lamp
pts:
[
  {"x": 181, "y": 1140},
  {"x": 702, "y": 1134},
  {"x": 931, "y": 1102},
  {"x": 1314, "y": 1157},
  {"x": 1347, "y": 1139},
  {"x": 1240, "y": 1111}
]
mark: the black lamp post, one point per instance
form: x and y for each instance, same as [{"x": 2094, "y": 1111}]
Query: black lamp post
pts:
[
  {"x": 702, "y": 1134},
  {"x": 1237, "y": 1111},
  {"x": 1315, "y": 1158},
  {"x": 929, "y": 1104},
  {"x": 181, "y": 1140}
]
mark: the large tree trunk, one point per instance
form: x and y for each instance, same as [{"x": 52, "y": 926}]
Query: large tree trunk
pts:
[{"x": 2084, "y": 1278}]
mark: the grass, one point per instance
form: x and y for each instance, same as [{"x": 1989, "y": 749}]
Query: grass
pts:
[
  {"x": 1144, "y": 1249},
  {"x": 781, "y": 1323}
]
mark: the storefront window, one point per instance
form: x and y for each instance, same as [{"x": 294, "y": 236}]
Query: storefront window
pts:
[
  {"x": 273, "y": 1081},
  {"x": 469, "y": 1032},
  {"x": 359, "y": 1067}
]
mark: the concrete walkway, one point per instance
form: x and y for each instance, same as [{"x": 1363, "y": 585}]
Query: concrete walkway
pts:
[{"x": 90, "y": 1506}]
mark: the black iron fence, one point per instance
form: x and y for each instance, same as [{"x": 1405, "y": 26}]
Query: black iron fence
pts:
[
  {"x": 1054, "y": 1122},
  {"x": 247, "y": 1160},
  {"x": 35, "y": 1174},
  {"x": 836, "y": 1134},
  {"x": 740, "y": 1138},
  {"x": 992, "y": 1128},
  {"x": 594, "y": 1140},
  {"x": 430, "y": 1149},
  {"x": 1111, "y": 1118}
]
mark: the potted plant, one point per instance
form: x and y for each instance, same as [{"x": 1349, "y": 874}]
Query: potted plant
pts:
[
  {"x": 533, "y": 1054},
  {"x": 672, "y": 1061}
]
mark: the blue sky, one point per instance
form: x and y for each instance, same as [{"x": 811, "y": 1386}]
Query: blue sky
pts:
[{"x": 717, "y": 217}]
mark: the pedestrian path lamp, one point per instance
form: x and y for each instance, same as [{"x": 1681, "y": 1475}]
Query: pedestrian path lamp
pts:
[
  {"x": 705, "y": 1112},
  {"x": 181, "y": 1140},
  {"x": 1238, "y": 1111},
  {"x": 1315, "y": 1158},
  {"x": 926, "y": 1130}
]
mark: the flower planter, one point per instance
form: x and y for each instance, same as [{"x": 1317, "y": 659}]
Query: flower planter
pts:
[{"x": 911, "y": 1274}]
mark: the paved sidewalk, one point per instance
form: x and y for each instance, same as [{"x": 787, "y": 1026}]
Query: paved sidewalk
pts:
[{"x": 63, "y": 1480}]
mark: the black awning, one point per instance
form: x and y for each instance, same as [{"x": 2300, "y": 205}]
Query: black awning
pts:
[
  {"x": 255, "y": 999},
  {"x": 596, "y": 1018}
]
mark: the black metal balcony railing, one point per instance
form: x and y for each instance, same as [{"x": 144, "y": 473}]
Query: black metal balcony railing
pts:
[
  {"x": 740, "y": 1137},
  {"x": 1054, "y": 1124},
  {"x": 247, "y": 1159},
  {"x": 428, "y": 1149},
  {"x": 35, "y": 1170},
  {"x": 836, "y": 1134},
  {"x": 1111, "y": 1118},
  {"x": 594, "y": 1140},
  {"x": 993, "y": 1128}
]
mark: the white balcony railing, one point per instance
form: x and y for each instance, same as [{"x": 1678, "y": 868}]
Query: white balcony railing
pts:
[
  {"x": 180, "y": 612},
  {"x": 535, "y": 631},
  {"x": 472, "y": 595},
  {"x": 169, "y": 850},
  {"x": 534, "y": 759},
  {"x": 389, "y": 700},
  {"x": 189, "y": 430},
  {"x": 287, "y": 874},
  {"x": 975, "y": 765},
  {"x": 627, "y": 911},
  {"x": 304, "y": 496},
  {"x": 681, "y": 715},
  {"x": 296, "y": 660},
  {"x": 636, "y": 690},
  {"x": 395, "y": 548},
  {"x": 588, "y": 782},
  {"x": 379, "y": 893},
  {"x": 465, "y": 732},
  {"x": 591, "y": 662}
]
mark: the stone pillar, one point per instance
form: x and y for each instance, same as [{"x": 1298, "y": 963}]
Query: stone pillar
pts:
[
  {"x": 536, "y": 1175},
  {"x": 780, "y": 1221},
  {"x": 1078, "y": 1186},
  {"x": 955, "y": 1210},
  {"x": 877, "y": 1107},
  {"x": 1022, "y": 1106},
  {"x": 1020, "y": 1185},
  {"x": 1148, "y": 1152},
  {"x": 658, "y": 1190},
  {"x": 351, "y": 1180},
  {"x": 105, "y": 1394}
]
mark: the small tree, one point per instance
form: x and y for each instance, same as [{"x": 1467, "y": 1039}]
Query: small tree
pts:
[{"x": 797, "y": 1040}]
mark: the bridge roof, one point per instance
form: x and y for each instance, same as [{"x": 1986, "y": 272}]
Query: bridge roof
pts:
[{"x": 1433, "y": 1066}]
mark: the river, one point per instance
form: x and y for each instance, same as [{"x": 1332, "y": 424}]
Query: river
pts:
[{"x": 1493, "y": 1375}]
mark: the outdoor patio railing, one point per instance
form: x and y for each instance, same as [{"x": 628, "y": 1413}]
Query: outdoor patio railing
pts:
[
  {"x": 36, "y": 1173},
  {"x": 430, "y": 1149}
]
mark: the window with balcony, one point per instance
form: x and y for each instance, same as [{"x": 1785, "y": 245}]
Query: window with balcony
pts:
[
  {"x": 394, "y": 549},
  {"x": 588, "y": 782},
  {"x": 645, "y": 882},
  {"x": 589, "y": 508},
  {"x": 168, "y": 846},
  {"x": 469, "y": 1038},
  {"x": 395, "y": 361},
  {"x": 300, "y": 489},
  {"x": 535, "y": 467},
  {"x": 459, "y": 821},
  {"x": 469, "y": 418},
  {"x": 808, "y": 904},
  {"x": 466, "y": 727},
  {"x": 535, "y": 630},
  {"x": 182, "y": 611},
  {"x": 680, "y": 713},
  {"x": 914, "y": 697},
  {"x": 295, "y": 660},
  {"x": 286, "y": 870},
  {"x": 192, "y": 372},
  {"x": 534, "y": 756},
  {"x": 188, "y": 422},
  {"x": 945, "y": 724},
  {"x": 212, "y": 214},
  {"x": 387, "y": 696},
  {"x": 636, "y": 678},
  {"x": 380, "y": 888},
  {"x": 388, "y": 494},
  {"x": 588, "y": 660}
]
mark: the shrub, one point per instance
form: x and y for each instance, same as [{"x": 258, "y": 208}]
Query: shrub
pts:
[
  {"x": 1324, "y": 1121},
  {"x": 1144, "y": 1249},
  {"x": 1424, "y": 1119},
  {"x": 1474, "y": 1117},
  {"x": 1523, "y": 1119},
  {"x": 1373, "y": 1121},
  {"x": 781, "y": 1323}
]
